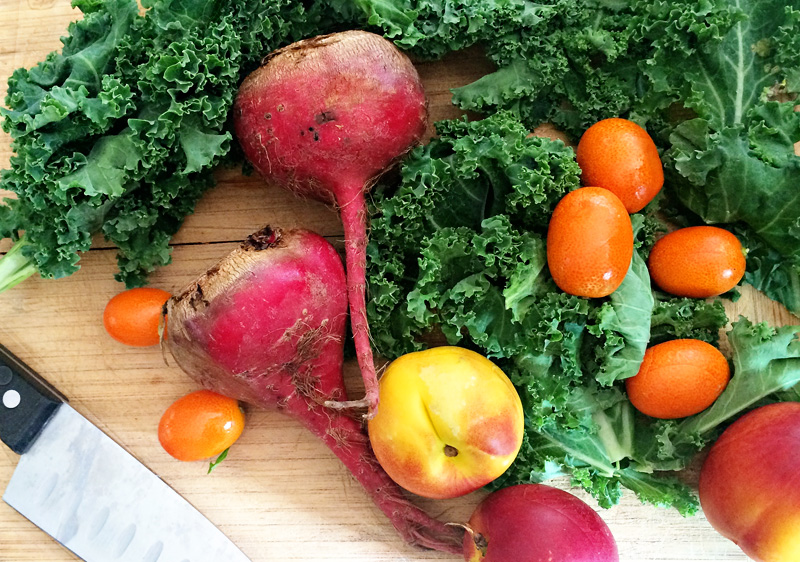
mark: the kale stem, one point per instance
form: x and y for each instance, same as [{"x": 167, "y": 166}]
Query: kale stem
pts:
[{"x": 15, "y": 267}]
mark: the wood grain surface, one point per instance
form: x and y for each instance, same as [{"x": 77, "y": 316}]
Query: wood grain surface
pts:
[{"x": 280, "y": 495}]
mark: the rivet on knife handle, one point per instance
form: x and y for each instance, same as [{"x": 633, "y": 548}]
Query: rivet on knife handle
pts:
[{"x": 27, "y": 402}]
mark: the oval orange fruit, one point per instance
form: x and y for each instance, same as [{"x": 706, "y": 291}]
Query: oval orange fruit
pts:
[
  {"x": 589, "y": 242},
  {"x": 200, "y": 425},
  {"x": 697, "y": 262},
  {"x": 132, "y": 317},
  {"x": 620, "y": 156},
  {"x": 678, "y": 378}
]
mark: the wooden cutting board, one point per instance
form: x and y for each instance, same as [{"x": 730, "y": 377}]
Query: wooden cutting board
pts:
[{"x": 280, "y": 495}]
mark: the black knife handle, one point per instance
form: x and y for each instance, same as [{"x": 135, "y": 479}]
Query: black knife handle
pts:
[{"x": 27, "y": 402}]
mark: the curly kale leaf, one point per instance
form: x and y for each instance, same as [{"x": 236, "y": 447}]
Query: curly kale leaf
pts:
[
  {"x": 473, "y": 172},
  {"x": 678, "y": 317},
  {"x": 744, "y": 173},
  {"x": 579, "y": 62},
  {"x": 51, "y": 109},
  {"x": 734, "y": 163},
  {"x": 459, "y": 246},
  {"x": 624, "y": 322},
  {"x": 768, "y": 270},
  {"x": 118, "y": 133},
  {"x": 601, "y": 453}
]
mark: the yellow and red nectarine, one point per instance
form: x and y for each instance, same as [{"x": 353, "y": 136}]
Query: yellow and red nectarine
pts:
[
  {"x": 750, "y": 483},
  {"x": 450, "y": 421}
]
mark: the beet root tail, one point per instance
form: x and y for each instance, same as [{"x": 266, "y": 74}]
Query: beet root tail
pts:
[
  {"x": 354, "y": 219},
  {"x": 345, "y": 437},
  {"x": 418, "y": 528}
]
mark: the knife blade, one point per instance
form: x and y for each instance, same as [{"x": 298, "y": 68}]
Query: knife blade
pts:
[{"x": 86, "y": 491}]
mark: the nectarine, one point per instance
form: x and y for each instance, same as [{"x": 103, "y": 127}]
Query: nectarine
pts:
[
  {"x": 750, "y": 483},
  {"x": 537, "y": 523},
  {"x": 450, "y": 422}
]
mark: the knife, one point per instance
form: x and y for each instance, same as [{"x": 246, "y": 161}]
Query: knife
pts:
[{"x": 86, "y": 491}]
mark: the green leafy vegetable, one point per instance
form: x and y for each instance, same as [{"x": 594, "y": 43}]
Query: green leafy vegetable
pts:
[
  {"x": 118, "y": 133},
  {"x": 571, "y": 62},
  {"x": 625, "y": 322},
  {"x": 474, "y": 172},
  {"x": 221, "y": 457},
  {"x": 769, "y": 271},
  {"x": 734, "y": 162},
  {"x": 678, "y": 317},
  {"x": 728, "y": 181}
]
